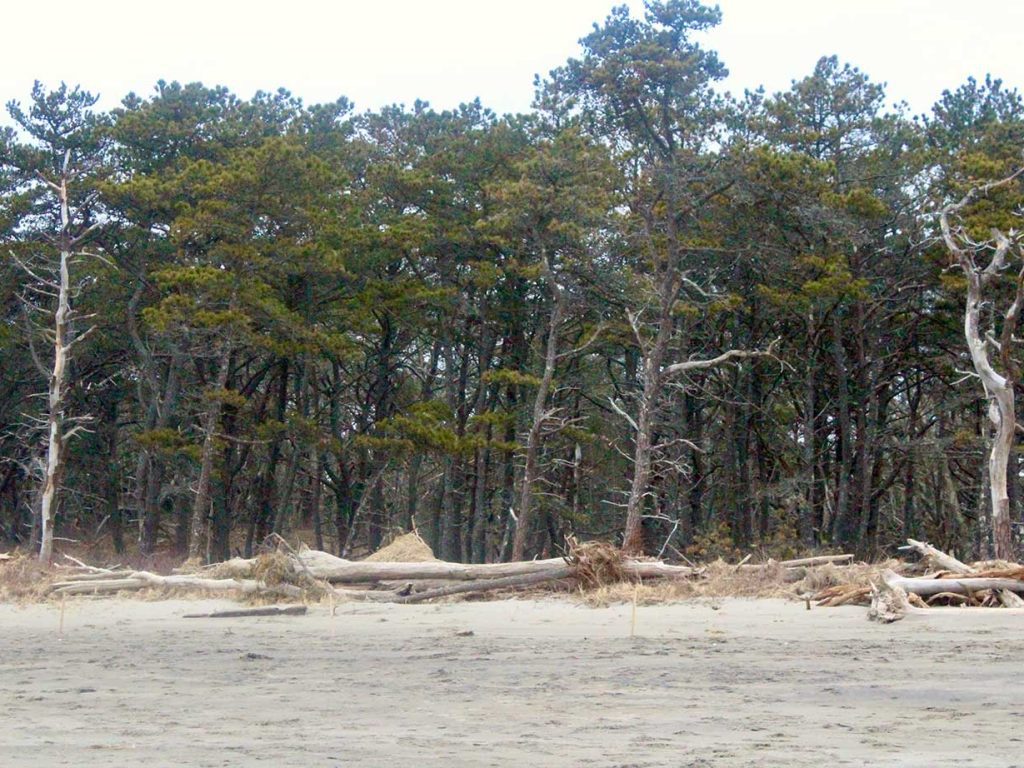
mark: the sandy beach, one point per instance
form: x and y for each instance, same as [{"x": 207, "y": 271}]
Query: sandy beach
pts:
[{"x": 538, "y": 683}]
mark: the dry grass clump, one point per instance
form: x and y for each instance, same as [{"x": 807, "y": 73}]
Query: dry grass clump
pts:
[
  {"x": 720, "y": 579},
  {"x": 854, "y": 575},
  {"x": 832, "y": 586},
  {"x": 277, "y": 567},
  {"x": 717, "y": 579},
  {"x": 657, "y": 592},
  {"x": 597, "y": 564},
  {"x": 22, "y": 578},
  {"x": 997, "y": 570},
  {"x": 273, "y": 568},
  {"x": 843, "y": 583},
  {"x": 407, "y": 548},
  {"x": 994, "y": 565}
]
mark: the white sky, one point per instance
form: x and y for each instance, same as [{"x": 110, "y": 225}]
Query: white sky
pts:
[{"x": 448, "y": 51}]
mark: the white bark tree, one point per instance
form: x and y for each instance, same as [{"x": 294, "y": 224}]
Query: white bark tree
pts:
[
  {"x": 50, "y": 281},
  {"x": 999, "y": 385}
]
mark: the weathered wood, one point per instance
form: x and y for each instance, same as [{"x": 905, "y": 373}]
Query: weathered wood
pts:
[
  {"x": 290, "y": 610},
  {"x": 57, "y": 395},
  {"x": 998, "y": 385},
  {"x": 96, "y": 586},
  {"x": 655, "y": 569},
  {"x": 889, "y": 601},
  {"x": 484, "y": 585},
  {"x": 135, "y": 580},
  {"x": 938, "y": 557},
  {"x": 960, "y": 585},
  {"x": 325, "y": 566},
  {"x": 334, "y": 569},
  {"x": 1008, "y": 598},
  {"x": 817, "y": 560}
]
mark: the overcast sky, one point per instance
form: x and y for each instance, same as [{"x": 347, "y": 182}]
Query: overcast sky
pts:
[{"x": 378, "y": 52}]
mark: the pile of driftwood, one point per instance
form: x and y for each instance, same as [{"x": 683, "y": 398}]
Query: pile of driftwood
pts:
[
  {"x": 312, "y": 574},
  {"x": 892, "y": 596}
]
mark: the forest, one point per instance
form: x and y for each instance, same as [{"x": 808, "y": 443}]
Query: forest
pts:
[{"x": 646, "y": 312}]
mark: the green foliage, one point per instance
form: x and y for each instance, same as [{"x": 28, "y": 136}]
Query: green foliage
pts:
[
  {"x": 425, "y": 426},
  {"x": 510, "y": 377},
  {"x": 167, "y": 442}
]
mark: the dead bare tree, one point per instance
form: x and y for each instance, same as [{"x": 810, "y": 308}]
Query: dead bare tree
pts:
[
  {"x": 656, "y": 376},
  {"x": 51, "y": 281},
  {"x": 998, "y": 385}
]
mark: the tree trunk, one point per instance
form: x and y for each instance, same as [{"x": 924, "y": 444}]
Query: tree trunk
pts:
[
  {"x": 112, "y": 477},
  {"x": 999, "y": 387},
  {"x": 845, "y": 526},
  {"x": 810, "y": 522},
  {"x": 632, "y": 540},
  {"x": 54, "y": 468},
  {"x": 149, "y": 469},
  {"x": 540, "y": 415},
  {"x": 201, "y": 505}
]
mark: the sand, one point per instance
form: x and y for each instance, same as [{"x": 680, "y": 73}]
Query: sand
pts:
[{"x": 511, "y": 683}]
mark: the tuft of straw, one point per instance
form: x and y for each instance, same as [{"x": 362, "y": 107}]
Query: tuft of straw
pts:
[
  {"x": 273, "y": 568},
  {"x": 597, "y": 564},
  {"x": 22, "y": 578},
  {"x": 407, "y": 548}
]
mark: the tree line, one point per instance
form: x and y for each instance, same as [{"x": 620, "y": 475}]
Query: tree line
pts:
[{"x": 644, "y": 311}]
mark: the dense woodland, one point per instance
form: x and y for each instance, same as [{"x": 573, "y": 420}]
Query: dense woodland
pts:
[{"x": 645, "y": 311}]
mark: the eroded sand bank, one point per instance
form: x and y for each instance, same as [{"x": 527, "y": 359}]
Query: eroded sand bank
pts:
[{"x": 512, "y": 683}]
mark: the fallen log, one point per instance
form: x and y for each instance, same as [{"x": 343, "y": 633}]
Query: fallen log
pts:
[
  {"x": 656, "y": 569},
  {"x": 349, "y": 572},
  {"x": 938, "y": 557},
  {"x": 96, "y": 586},
  {"x": 135, "y": 580},
  {"x": 476, "y": 586},
  {"x": 794, "y": 570},
  {"x": 959, "y": 585},
  {"x": 290, "y": 610},
  {"x": 1009, "y": 598},
  {"x": 841, "y": 594},
  {"x": 336, "y": 570},
  {"x": 817, "y": 560}
]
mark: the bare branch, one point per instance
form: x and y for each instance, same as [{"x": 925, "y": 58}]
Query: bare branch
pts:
[
  {"x": 619, "y": 410},
  {"x": 732, "y": 355}
]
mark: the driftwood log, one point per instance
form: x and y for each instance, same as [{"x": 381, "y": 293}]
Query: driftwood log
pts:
[
  {"x": 803, "y": 562},
  {"x": 1007, "y": 597},
  {"x": 407, "y": 594},
  {"x": 959, "y": 586},
  {"x": 336, "y": 570},
  {"x": 89, "y": 584}
]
